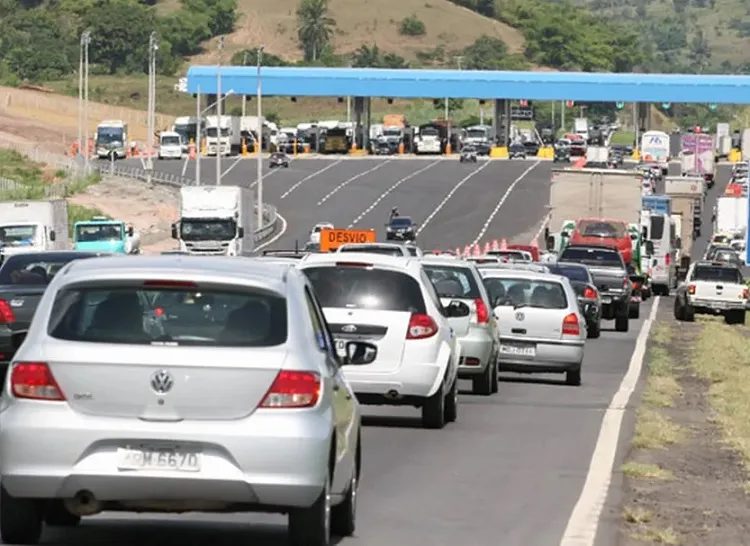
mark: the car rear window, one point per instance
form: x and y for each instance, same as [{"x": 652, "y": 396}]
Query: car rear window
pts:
[
  {"x": 35, "y": 269},
  {"x": 453, "y": 282},
  {"x": 657, "y": 227},
  {"x": 573, "y": 273},
  {"x": 592, "y": 256},
  {"x": 354, "y": 287},
  {"x": 717, "y": 274},
  {"x": 598, "y": 228},
  {"x": 383, "y": 250},
  {"x": 526, "y": 293},
  {"x": 153, "y": 316}
]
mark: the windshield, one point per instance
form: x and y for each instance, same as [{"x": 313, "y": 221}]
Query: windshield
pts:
[
  {"x": 453, "y": 282},
  {"x": 366, "y": 288},
  {"x": 226, "y": 317},
  {"x": 17, "y": 235},
  {"x": 598, "y": 228},
  {"x": 401, "y": 222},
  {"x": 721, "y": 239},
  {"x": 592, "y": 256},
  {"x": 572, "y": 272},
  {"x": 727, "y": 256},
  {"x": 430, "y": 131},
  {"x": 717, "y": 274},
  {"x": 657, "y": 227},
  {"x": 525, "y": 293},
  {"x": 109, "y": 135},
  {"x": 103, "y": 232},
  {"x": 211, "y": 132},
  {"x": 476, "y": 133},
  {"x": 392, "y": 132},
  {"x": 209, "y": 229},
  {"x": 187, "y": 131},
  {"x": 33, "y": 269},
  {"x": 170, "y": 141}
]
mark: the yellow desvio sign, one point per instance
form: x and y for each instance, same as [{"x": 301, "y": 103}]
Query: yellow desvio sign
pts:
[{"x": 331, "y": 239}]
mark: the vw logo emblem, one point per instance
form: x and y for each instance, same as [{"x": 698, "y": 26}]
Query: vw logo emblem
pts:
[
  {"x": 162, "y": 382},
  {"x": 520, "y": 316},
  {"x": 349, "y": 328}
]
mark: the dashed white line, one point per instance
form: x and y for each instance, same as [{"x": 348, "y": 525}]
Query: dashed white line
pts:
[
  {"x": 308, "y": 177},
  {"x": 545, "y": 221},
  {"x": 276, "y": 237},
  {"x": 185, "y": 166},
  {"x": 350, "y": 180},
  {"x": 269, "y": 174},
  {"x": 232, "y": 166},
  {"x": 450, "y": 194},
  {"x": 584, "y": 521},
  {"x": 500, "y": 203},
  {"x": 387, "y": 192}
]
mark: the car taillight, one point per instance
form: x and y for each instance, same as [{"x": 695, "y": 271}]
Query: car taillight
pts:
[
  {"x": 34, "y": 380},
  {"x": 636, "y": 286},
  {"x": 745, "y": 294},
  {"x": 421, "y": 327},
  {"x": 667, "y": 259},
  {"x": 691, "y": 289},
  {"x": 6, "y": 313},
  {"x": 483, "y": 316},
  {"x": 570, "y": 325},
  {"x": 625, "y": 283},
  {"x": 589, "y": 293},
  {"x": 293, "y": 389}
]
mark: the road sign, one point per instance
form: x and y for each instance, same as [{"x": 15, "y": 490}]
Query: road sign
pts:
[
  {"x": 518, "y": 113},
  {"x": 570, "y": 103},
  {"x": 665, "y": 105},
  {"x": 524, "y": 103},
  {"x": 331, "y": 239},
  {"x": 620, "y": 105}
]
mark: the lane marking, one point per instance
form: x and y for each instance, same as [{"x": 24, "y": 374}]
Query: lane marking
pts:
[
  {"x": 500, "y": 203},
  {"x": 545, "y": 222},
  {"x": 450, "y": 194},
  {"x": 276, "y": 237},
  {"x": 584, "y": 521},
  {"x": 185, "y": 166},
  {"x": 308, "y": 177},
  {"x": 387, "y": 192},
  {"x": 232, "y": 166},
  {"x": 350, "y": 180},
  {"x": 268, "y": 174}
]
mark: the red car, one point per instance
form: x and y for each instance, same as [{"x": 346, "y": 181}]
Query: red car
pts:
[
  {"x": 601, "y": 231},
  {"x": 533, "y": 250}
]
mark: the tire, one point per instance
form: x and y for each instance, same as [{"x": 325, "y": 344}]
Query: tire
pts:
[
  {"x": 433, "y": 410},
  {"x": 450, "y": 410},
  {"x": 312, "y": 526},
  {"x": 344, "y": 515},
  {"x": 21, "y": 520},
  {"x": 688, "y": 313},
  {"x": 679, "y": 310},
  {"x": 495, "y": 383},
  {"x": 57, "y": 515},
  {"x": 595, "y": 330},
  {"x": 573, "y": 377},
  {"x": 483, "y": 384},
  {"x": 634, "y": 311},
  {"x": 622, "y": 323}
]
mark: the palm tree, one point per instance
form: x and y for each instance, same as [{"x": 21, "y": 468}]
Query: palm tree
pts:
[{"x": 315, "y": 27}]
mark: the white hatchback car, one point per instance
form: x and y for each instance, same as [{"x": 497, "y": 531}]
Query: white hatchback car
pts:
[
  {"x": 541, "y": 326},
  {"x": 388, "y": 249},
  {"x": 391, "y": 302}
]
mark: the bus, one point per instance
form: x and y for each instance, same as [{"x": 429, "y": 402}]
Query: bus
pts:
[{"x": 111, "y": 139}]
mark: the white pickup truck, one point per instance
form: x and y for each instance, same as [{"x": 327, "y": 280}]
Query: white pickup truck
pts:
[{"x": 712, "y": 288}]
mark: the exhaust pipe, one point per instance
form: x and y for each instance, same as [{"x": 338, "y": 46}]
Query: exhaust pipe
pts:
[{"x": 83, "y": 504}]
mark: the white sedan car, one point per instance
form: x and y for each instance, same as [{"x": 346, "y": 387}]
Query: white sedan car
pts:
[
  {"x": 541, "y": 326},
  {"x": 317, "y": 228},
  {"x": 390, "y": 302}
]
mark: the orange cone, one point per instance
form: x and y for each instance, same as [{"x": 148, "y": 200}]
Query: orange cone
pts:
[
  {"x": 534, "y": 244},
  {"x": 487, "y": 247},
  {"x": 458, "y": 251},
  {"x": 504, "y": 245},
  {"x": 466, "y": 252},
  {"x": 495, "y": 246},
  {"x": 477, "y": 251}
]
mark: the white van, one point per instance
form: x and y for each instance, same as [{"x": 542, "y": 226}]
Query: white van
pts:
[
  {"x": 170, "y": 145},
  {"x": 662, "y": 232}
]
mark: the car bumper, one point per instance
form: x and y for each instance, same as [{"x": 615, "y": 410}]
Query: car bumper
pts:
[
  {"x": 550, "y": 356},
  {"x": 614, "y": 298},
  {"x": 410, "y": 380},
  {"x": 400, "y": 236},
  {"x": 266, "y": 459},
  {"x": 479, "y": 345},
  {"x": 708, "y": 306}
]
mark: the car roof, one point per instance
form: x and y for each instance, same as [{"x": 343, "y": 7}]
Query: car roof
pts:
[
  {"x": 373, "y": 245},
  {"x": 401, "y": 217},
  {"x": 711, "y": 263},
  {"x": 520, "y": 273},
  {"x": 377, "y": 260},
  {"x": 266, "y": 273},
  {"x": 569, "y": 264},
  {"x": 444, "y": 260}
]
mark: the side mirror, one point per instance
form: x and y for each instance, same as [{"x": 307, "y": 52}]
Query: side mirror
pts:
[
  {"x": 174, "y": 231},
  {"x": 457, "y": 309},
  {"x": 52, "y": 235},
  {"x": 17, "y": 339},
  {"x": 131, "y": 231},
  {"x": 359, "y": 353},
  {"x": 633, "y": 237},
  {"x": 240, "y": 232}
]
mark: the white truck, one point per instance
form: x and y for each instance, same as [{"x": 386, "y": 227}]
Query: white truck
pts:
[
  {"x": 33, "y": 226},
  {"x": 597, "y": 156},
  {"x": 723, "y": 141},
  {"x": 730, "y": 215},
  {"x": 427, "y": 141},
  {"x": 581, "y": 127},
  {"x": 712, "y": 289},
  {"x": 655, "y": 147},
  {"x": 745, "y": 145},
  {"x": 218, "y": 135},
  {"x": 687, "y": 195},
  {"x": 215, "y": 221}
]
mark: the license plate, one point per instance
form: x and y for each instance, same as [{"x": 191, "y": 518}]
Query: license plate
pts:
[
  {"x": 606, "y": 300},
  {"x": 177, "y": 460},
  {"x": 518, "y": 350}
]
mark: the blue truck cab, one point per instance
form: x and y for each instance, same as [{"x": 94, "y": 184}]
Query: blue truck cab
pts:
[{"x": 101, "y": 234}]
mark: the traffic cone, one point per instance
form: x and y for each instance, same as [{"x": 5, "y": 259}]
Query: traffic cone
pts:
[
  {"x": 476, "y": 251},
  {"x": 504, "y": 245},
  {"x": 534, "y": 244},
  {"x": 466, "y": 252},
  {"x": 458, "y": 251},
  {"x": 487, "y": 247},
  {"x": 495, "y": 246}
]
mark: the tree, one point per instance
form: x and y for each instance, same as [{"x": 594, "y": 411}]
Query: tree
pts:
[
  {"x": 238, "y": 59},
  {"x": 370, "y": 56},
  {"x": 314, "y": 27}
]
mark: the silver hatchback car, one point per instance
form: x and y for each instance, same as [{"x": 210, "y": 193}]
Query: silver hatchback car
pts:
[{"x": 172, "y": 384}]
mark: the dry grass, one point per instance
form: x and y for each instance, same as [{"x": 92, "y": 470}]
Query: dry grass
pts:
[
  {"x": 274, "y": 24},
  {"x": 634, "y": 469},
  {"x": 721, "y": 357},
  {"x": 646, "y": 533},
  {"x": 655, "y": 431}
]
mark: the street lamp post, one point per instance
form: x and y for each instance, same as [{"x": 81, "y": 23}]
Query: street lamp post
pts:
[
  {"x": 260, "y": 141},
  {"x": 198, "y": 136},
  {"x": 244, "y": 97},
  {"x": 218, "y": 113},
  {"x": 83, "y": 98},
  {"x": 153, "y": 47}
]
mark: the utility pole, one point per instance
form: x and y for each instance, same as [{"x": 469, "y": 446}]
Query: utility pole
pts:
[
  {"x": 218, "y": 113},
  {"x": 198, "y": 136},
  {"x": 260, "y": 141},
  {"x": 83, "y": 99},
  {"x": 244, "y": 97},
  {"x": 153, "y": 47}
]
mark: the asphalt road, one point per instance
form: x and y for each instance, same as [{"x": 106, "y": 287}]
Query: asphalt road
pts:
[{"x": 511, "y": 469}]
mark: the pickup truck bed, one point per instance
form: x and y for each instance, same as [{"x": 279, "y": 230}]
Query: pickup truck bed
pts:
[{"x": 712, "y": 289}]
